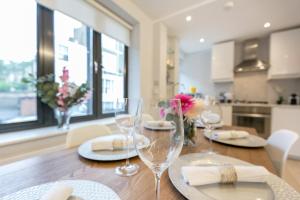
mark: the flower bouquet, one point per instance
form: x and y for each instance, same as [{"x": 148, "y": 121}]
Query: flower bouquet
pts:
[
  {"x": 191, "y": 110},
  {"x": 59, "y": 96}
]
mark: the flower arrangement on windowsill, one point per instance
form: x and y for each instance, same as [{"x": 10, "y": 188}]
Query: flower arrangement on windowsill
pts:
[{"x": 61, "y": 97}]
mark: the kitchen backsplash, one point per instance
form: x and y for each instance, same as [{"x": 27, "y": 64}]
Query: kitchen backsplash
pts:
[{"x": 254, "y": 86}]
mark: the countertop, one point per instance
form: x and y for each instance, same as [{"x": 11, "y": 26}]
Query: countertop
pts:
[{"x": 262, "y": 105}]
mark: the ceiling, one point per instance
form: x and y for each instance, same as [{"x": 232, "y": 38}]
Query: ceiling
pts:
[{"x": 214, "y": 23}]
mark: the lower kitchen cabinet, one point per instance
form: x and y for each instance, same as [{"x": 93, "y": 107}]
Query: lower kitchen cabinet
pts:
[{"x": 287, "y": 117}]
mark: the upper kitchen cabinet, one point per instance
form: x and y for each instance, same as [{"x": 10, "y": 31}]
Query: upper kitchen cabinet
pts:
[
  {"x": 284, "y": 54},
  {"x": 222, "y": 62}
]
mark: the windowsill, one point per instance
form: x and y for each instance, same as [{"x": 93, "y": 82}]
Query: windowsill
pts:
[{"x": 39, "y": 133}]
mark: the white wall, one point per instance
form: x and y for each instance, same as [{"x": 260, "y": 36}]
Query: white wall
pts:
[
  {"x": 141, "y": 51},
  {"x": 195, "y": 70},
  {"x": 159, "y": 59}
]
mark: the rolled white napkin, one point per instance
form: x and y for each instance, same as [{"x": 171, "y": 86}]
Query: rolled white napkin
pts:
[
  {"x": 227, "y": 135},
  {"x": 113, "y": 142},
  {"x": 203, "y": 175},
  {"x": 58, "y": 192},
  {"x": 159, "y": 125}
]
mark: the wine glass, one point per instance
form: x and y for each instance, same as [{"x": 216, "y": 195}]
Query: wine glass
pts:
[
  {"x": 124, "y": 118},
  {"x": 211, "y": 116},
  {"x": 161, "y": 126}
]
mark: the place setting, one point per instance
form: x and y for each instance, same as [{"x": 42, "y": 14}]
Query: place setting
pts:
[
  {"x": 65, "y": 190},
  {"x": 211, "y": 119},
  {"x": 221, "y": 177},
  {"x": 120, "y": 145}
]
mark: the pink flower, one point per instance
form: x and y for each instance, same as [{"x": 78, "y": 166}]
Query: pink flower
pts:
[
  {"x": 60, "y": 102},
  {"x": 65, "y": 75},
  {"x": 64, "y": 90},
  {"x": 162, "y": 112},
  {"x": 187, "y": 102}
]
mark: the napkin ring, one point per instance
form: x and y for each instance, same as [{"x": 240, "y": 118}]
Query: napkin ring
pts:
[{"x": 228, "y": 174}]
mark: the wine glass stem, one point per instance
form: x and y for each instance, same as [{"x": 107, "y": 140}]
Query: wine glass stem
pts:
[
  {"x": 128, "y": 148},
  {"x": 210, "y": 139},
  {"x": 157, "y": 185}
]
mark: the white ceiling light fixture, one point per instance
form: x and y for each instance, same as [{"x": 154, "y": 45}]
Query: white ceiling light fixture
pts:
[
  {"x": 267, "y": 25},
  {"x": 202, "y": 40},
  {"x": 228, "y": 5},
  {"x": 188, "y": 18}
]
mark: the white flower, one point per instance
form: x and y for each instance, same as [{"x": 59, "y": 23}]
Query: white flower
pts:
[{"x": 195, "y": 110}]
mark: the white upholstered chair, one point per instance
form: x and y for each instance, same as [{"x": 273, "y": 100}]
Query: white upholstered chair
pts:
[
  {"x": 78, "y": 136},
  {"x": 279, "y": 145}
]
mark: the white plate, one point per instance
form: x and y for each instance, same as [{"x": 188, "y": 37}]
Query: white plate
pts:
[
  {"x": 86, "y": 151},
  {"x": 159, "y": 128},
  {"x": 275, "y": 188},
  {"x": 250, "y": 141},
  {"x": 82, "y": 190}
]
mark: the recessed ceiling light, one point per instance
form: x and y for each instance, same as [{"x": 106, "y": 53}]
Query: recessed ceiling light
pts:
[
  {"x": 228, "y": 5},
  {"x": 202, "y": 40},
  {"x": 267, "y": 24},
  {"x": 188, "y": 18}
]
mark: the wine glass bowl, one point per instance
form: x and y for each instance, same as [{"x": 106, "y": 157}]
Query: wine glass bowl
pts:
[
  {"x": 164, "y": 135},
  {"x": 210, "y": 117},
  {"x": 124, "y": 119}
]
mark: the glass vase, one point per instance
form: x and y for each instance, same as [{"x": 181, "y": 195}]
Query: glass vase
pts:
[
  {"x": 189, "y": 133},
  {"x": 63, "y": 117}
]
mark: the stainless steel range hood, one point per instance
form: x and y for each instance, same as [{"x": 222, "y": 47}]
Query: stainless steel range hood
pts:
[{"x": 251, "y": 61}]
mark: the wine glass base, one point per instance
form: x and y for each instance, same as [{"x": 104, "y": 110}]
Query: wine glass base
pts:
[{"x": 127, "y": 170}]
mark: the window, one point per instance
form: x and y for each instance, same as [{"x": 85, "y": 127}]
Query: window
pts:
[
  {"x": 72, "y": 50},
  {"x": 18, "y": 52},
  {"x": 63, "y": 53},
  {"x": 113, "y": 72},
  {"x": 49, "y": 41}
]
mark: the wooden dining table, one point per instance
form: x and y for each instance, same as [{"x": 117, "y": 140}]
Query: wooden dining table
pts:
[{"x": 68, "y": 165}]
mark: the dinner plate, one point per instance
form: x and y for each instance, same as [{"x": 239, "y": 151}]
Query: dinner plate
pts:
[
  {"x": 250, "y": 141},
  {"x": 159, "y": 128},
  {"x": 82, "y": 190},
  {"x": 275, "y": 188},
  {"x": 85, "y": 150}
]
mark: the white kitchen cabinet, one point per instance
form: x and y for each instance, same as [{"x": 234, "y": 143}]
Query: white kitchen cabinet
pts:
[
  {"x": 222, "y": 62},
  {"x": 287, "y": 117},
  {"x": 284, "y": 54},
  {"x": 226, "y": 114}
]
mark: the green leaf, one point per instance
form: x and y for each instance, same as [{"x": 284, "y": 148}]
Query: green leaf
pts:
[{"x": 170, "y": 117}]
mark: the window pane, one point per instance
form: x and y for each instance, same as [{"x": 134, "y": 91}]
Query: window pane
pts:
[
  {"x": 73, "y": 50},
  {"x": 113, "y": 63},
  {"x": 18, "y": 41}
]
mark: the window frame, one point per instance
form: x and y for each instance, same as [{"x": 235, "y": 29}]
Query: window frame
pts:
[{"x": 46, "y": 64}]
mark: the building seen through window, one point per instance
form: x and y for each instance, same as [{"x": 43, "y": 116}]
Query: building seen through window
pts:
[
  {"x": 113, "y": 73},
  {"x": 18, "y": 41}
]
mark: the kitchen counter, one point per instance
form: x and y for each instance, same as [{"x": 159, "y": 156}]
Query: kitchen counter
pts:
[{"x": 261, "y": 105}]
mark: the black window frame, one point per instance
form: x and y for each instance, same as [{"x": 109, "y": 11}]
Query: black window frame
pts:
[{"x": 46, "y": 64}]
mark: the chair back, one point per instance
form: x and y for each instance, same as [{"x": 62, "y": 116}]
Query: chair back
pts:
[
  {"x": 279, "y": 145},
  {"x": 78, "y": 136}
]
